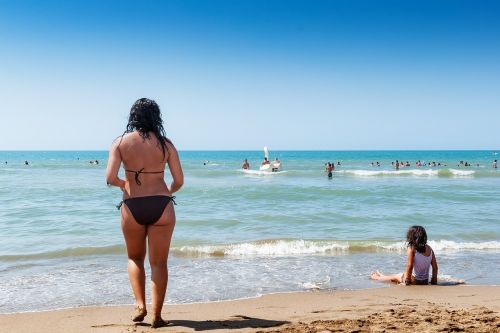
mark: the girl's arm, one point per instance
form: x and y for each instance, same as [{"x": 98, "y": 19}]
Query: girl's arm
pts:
[
  {"x": 434, "y": 279},
  {"x": 174, "y": 165},
  {"x": 114, "y": 162},
  {"x": 410, "y": 256}
]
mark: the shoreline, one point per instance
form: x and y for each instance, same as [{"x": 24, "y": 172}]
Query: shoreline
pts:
[{"x": 373, "y": 309}]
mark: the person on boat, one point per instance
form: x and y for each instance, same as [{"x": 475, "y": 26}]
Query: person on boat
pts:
[
  {"x": 266, "y": 161},
  {"x": 276, "y": 165},
  {"x": 245, "y": 165}
]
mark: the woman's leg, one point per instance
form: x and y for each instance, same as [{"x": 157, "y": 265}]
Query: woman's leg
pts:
[
  {"x": 397, "y": 278},
  {"x": 135, "y": 240},
  {"x": 159, "y": 237}
]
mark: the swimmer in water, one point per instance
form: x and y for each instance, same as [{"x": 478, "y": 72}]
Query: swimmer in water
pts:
[
  {"x": 245, "y": 165},
  {"x": 494, "y": 164},
  {"x": 26, "y": 163}
]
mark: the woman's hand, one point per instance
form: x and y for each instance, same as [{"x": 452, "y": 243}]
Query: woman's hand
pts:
[{"x": 125, "y": 187}]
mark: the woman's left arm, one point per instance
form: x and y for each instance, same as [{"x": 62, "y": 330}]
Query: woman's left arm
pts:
[
  {"x": 174, "y": 165},
  {"x": 114, "y": 162}
]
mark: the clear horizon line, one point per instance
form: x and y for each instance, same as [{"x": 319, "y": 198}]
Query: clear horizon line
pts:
[{"x": 254, "y": 150}]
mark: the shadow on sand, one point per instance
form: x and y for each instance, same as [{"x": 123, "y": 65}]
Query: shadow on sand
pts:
[{"x": 237, "y": 322}]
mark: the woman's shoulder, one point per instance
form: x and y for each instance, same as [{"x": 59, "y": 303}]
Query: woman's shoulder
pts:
[
  {"x": 170, "y": 144},
  {"x": 124, "y": 137}
]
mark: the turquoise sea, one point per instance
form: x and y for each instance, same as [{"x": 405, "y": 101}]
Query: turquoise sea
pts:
[{"x": 243, "y": 234}]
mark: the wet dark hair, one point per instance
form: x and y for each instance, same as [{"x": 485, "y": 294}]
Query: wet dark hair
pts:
[
  {"x": 145, "y": 117},
  {"x": 417, "y": 237}
]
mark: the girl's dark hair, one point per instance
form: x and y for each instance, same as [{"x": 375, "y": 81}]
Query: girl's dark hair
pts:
[
  {"x": 145, "y": 117},
  {"x": 417, "y": 237}
]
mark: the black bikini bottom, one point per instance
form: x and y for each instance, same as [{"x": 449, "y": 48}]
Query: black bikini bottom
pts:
[{"x": 147, "y": 210}]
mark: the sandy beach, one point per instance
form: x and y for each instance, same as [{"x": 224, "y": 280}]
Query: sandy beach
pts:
[{"x": 397, "y": 309}]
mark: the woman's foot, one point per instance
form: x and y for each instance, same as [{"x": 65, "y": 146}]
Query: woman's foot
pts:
[
  {"x": 140, "y": 313},
  {"x": 158, "y": 322},
  {"x": 375, "y": 275}
]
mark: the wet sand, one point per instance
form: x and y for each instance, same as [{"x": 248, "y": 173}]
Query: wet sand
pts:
[{"x": 396, "y": 308}]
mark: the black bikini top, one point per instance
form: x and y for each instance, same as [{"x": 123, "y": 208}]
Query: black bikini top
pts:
[{"x": 137, "y": 173}]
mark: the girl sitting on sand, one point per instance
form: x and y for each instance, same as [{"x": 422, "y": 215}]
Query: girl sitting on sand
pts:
[{"x": 419, "y": 258}]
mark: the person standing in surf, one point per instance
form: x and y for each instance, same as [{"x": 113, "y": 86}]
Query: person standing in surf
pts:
[
  {"x": 329, "y": 169},
  {"x": 147, "y": 211}
]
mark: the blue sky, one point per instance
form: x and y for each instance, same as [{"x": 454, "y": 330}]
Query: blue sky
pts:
[{"x": 243, "y": 74}]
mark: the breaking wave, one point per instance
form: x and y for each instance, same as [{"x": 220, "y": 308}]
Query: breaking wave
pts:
[
  {"x": 420, "y": 173},
  {"x": 267, "y": 248},
  {"x": 318, "y": 247}
]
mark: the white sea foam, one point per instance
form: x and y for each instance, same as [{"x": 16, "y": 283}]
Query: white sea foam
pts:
[
  {"x": 310, "y": 286},
  {"x": 316, "y": 285},
  {"x": 313, "y": 247},
  {"x": 409, "y": 172},
  {"x": 451, "y": 245},
  {"x": 456, "y": 172},
  {"x": 266, "y": 248},
  {"x": 371, "y": 173}
]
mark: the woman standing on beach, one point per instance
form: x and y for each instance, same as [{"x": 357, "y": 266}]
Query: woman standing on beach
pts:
[{"x": 148, "y": 213}]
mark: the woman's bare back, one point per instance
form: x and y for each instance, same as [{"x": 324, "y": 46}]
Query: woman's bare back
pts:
[{"x": 143, "y": 154}]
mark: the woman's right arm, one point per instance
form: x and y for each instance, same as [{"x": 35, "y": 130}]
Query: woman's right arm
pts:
[
  {"x": 434, "y": 264},
  {"x": 174, "y": 165},
  {"x": 114, "y": 162},
  {"x": 410, "y": 253}
]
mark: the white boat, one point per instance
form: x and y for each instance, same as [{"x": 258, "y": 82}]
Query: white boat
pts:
[{"x": 272, "y": 166}]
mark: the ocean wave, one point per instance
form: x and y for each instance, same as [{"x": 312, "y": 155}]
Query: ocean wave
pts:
[
  {"x": 267, "y": 248},
  {"x": 446, "y": 245},
  {"x": 261, "y": 248},
  {"x": 318, "y": 247},
  {"x": 420, "y": 173},
  {"x": 70, "y": 252},
  {"x": 371, "y": 173},
  {"x": 456, "y": 172}
]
